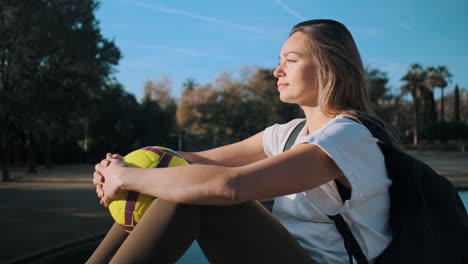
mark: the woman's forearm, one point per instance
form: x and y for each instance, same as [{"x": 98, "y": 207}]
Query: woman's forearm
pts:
[
  {"x": 233, "y": 155},
  {"x": 191, "y": 184},
  {"x": 197, "y": 158}
]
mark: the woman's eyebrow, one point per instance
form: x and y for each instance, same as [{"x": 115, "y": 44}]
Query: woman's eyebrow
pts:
[{"x": 291, "y": 52}]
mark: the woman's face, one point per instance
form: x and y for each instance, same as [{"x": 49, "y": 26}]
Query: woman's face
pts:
[{"x": 297, "y": 82}]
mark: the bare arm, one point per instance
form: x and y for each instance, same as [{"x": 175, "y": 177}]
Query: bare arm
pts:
[
  {"x": 241, "y": 153},
  {"x": 303, "y": 167}
]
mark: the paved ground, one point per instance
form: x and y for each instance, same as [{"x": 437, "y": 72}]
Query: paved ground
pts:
[
  {"x": 453, "y": 165},
  {"x": 39, "y": 211},
  {"x": 52, "y": 207}
]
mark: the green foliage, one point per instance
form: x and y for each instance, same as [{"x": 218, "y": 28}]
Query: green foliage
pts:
[
  {"x": 154, "y": 125},
  {"x": 234, "y": 108},
  {"x": 420, "y": 83},
  {"x": 111, "y": 127},
  {"x": 190, "y": 84},
  {"x": 377, "y": 85},
  {"x": 53, "y": 63},
  {"x": 438, "y": 77},
  {"x": 58, "y": 96}
]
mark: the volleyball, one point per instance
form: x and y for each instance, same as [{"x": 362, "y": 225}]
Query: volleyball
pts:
[{"x": 128, "y": 208}]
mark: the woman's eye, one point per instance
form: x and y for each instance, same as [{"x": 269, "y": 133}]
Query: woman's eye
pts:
[{"x": 291, "y": 61}]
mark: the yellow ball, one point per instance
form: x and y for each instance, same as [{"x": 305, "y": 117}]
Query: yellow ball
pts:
[{"x": 128, "y": 208}]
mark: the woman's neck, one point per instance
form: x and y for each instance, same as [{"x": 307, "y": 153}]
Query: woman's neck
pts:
[{"x": 315, "y": 118}]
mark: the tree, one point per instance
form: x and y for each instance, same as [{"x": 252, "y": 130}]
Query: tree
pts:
[
  {"x": 464, "y": 105},
  {"x": 414, "y": 78},
  {"x": 154, "y": 125},
  {"x": 40, "y": 73},
  {"x": 199, "y": 110},
  {"x": 190, "y": 84},
  {"x": 438, "y": 77},
  {"x": 264, "y": 97},
  {"x": 113, "y": 127},
  {"x": 456, "y": 104},
  {"x": 227, "y": 105},
  {"x": 376, "y": 85},
  {"x": 160, "y": 92}
]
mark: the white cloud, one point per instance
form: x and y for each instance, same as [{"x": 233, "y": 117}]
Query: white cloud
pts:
[
  {"x": 289, "y": 10},
  {"x": 178, "y": 12},
  {"x": 183, "y": 51},
  {"x": 126, "y": 27}
]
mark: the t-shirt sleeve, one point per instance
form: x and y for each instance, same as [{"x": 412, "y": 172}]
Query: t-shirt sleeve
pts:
[
  {"x": 353, "y": 149},
  {"x": 270, "y": 140},
  {"x": 275, "y": 137}
]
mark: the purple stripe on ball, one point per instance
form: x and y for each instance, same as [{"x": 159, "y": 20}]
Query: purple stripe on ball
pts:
[
  {"x": 128, "y": 228},
  {"x": 155, "y": 150},
  {"x": 132, "y": 198},
  {"x": 160, "y": 152},
  {"x": 173, "y": 153},
  {"x": 165, "y": 160}
]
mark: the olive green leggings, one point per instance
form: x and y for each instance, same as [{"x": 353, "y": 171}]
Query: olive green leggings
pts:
[{"x": 242, "y": 233}]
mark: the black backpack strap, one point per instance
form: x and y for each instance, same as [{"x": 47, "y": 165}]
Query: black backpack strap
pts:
[
  {"x": 378, "y": 129},
  {"x": 351, "y": 245},
  {"x": 345, "y": 194},
  {"x": 293, "y": 136}
]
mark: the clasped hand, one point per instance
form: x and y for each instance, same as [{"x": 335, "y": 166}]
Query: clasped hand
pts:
[{"x": 108, "y": 177}]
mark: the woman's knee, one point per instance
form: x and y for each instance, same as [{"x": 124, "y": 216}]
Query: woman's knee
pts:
[{"x": 169, "y": 210}]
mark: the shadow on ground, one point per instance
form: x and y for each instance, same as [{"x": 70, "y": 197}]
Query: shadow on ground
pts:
[{"x": 44, "y": 210}]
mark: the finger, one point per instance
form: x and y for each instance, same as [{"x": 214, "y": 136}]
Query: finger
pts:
[
  {"x": 99, "y": 191},
  {"x": 111, "y": 157},
  {"x": 98, "y": 178},
  {"x": 117, "y": 156},
  {"x": 105, "y": 162},
  {"x": 97, "y": 183},
  {"x": 98, "y": 167}
]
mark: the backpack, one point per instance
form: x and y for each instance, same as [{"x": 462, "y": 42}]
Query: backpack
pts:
[{"x": 428, "y": 220}]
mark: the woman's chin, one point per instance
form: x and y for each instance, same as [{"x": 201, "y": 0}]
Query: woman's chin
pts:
[{"x": 286, "y": 99}]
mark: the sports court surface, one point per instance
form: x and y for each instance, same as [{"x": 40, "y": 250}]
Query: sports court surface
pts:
[{"x": 58, "y": 206}]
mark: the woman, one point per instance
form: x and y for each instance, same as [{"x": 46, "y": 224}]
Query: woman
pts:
[{"x": 213, "y": 200}]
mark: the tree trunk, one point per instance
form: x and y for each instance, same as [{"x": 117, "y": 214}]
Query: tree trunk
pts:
[
  {"x": 416, "y": 131},
  {"x": 442, "y": 112},
  {"x": 5, "y": 155},
  {"x": 417, "y": 118},
  {"x": 31, "y": 154},
  {"x": 179, "y": 142},
  {"x": 456, "y": 105},
  {"x": 48, "y": 153}
]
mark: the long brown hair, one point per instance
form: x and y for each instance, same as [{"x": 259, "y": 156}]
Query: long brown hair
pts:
[{"x": 340, "y": 72}]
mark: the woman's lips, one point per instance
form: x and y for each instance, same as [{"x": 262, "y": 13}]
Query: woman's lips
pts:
[{"x": 282, "y": 85}]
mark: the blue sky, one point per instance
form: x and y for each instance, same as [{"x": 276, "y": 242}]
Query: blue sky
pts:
[{"x": 201, "y": 39}]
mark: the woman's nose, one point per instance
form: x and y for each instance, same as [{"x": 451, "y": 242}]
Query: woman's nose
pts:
[{"x": 278, "y": 72}]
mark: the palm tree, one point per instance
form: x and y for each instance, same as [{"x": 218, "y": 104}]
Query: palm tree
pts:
[
  {"x": 415, "y": 78},
  {"x": 439, "y": 77},
  {"x": 190, "y": 84}
]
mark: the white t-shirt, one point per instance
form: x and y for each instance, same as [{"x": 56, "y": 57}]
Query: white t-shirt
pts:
[{"x": 304, "y": 214}]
